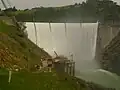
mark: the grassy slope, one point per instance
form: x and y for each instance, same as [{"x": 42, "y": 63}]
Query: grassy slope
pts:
[
  {"x": 36, "y": 81},
  {"x": 44, "y": 81},
  {"x": 15, "y": 48}
]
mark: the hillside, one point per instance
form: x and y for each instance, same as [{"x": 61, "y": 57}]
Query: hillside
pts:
[
  {"x": 35, "y": 81},
  {"x": 89, "y": 11},
  {"x": 17, "y": 49}
]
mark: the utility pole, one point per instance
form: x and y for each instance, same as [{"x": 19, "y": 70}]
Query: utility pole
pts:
[
  {"x": 73, "y": 68},
  {"x": 5, "y": 6},
  {"x": 13, "y": 17}
]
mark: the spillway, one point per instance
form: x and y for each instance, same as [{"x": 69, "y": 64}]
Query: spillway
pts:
[{"x": 78, "y": 39}]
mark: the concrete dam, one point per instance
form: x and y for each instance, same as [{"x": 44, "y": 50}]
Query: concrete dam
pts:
[
  {"x": 86, "y": 41},
  {"x": 78, "y": 39}
]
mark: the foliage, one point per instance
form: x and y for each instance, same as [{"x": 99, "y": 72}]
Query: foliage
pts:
[
  {"x": 89, "y": 11},
  {"x": 15, "y": 46},
  {"x": 44, "y": 81},
  {"x": 35, "y": 81}
]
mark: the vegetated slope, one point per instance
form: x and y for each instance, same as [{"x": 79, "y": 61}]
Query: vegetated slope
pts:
[
  {"x": 87, "y": 11},
  {"x": 44, "y": 81},
  {"x": 17, "y": 49},
  {"x": 35, "y": 81}
]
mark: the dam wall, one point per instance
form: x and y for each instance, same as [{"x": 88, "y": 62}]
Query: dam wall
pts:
[
  {"x": 107, "y": 47},
  {"x": 66, "y": 39}
]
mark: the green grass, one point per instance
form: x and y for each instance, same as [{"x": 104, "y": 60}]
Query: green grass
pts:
[{"x": 36, "y": 81}]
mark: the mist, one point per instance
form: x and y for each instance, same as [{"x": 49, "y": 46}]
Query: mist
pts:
[{"x": 78, "y": 39}]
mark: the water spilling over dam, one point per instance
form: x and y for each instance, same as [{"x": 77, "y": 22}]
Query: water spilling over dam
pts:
[{"x": 78, "y": 39}]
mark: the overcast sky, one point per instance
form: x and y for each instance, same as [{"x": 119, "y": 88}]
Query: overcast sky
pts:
[{"x": 46, "y": 3}]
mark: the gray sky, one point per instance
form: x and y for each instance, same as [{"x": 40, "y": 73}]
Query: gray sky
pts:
[{"x": 32, "y": 3}]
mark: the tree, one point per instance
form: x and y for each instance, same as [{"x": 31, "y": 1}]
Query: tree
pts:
[
  {"x": 14, "y": 9},
  {"x": 76, "y": 4},
  {"x": 26, "y": 10}
]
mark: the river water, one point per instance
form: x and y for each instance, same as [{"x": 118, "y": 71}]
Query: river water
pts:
[{"x": 78, "y": 39}]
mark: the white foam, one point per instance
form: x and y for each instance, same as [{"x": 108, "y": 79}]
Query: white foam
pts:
[{"x": 78, "y": 39}]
